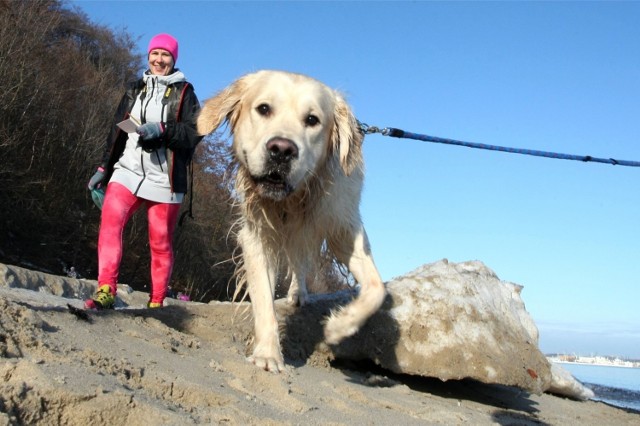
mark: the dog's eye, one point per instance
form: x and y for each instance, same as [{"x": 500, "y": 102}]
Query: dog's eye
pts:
[
  {"x": 264, "y": 109},
  {"x": 311, "y": 120}
]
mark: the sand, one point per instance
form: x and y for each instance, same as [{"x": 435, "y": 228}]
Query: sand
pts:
[{"x": 186, "y": 364}]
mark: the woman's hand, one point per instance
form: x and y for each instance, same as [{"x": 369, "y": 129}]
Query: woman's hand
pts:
[
  {"x": 151, "y": 130},
  {"x": 96, "y": 179}
]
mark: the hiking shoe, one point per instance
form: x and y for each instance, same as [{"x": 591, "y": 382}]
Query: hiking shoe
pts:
[
  {"x": 102, "y": 300},
  {"x": 152, "y": 305}
]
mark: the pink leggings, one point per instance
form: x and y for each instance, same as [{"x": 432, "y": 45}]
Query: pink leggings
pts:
[{"x": 118, "y": 207}]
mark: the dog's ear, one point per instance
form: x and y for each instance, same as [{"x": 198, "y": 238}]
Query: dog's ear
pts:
[
  {"x": 222, "y": 107},
  {"x": 347, "y": 137}
]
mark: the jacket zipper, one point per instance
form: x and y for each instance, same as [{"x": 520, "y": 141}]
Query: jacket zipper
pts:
[
  {"x": 159, "y": 161},
  {"x": 144, "y": 175}
]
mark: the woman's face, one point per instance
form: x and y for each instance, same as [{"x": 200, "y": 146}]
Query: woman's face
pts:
[{"x": 160, "y": 62}]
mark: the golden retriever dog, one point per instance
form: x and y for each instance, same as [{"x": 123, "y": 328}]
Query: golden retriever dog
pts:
[{"x": 297, "y": 149}]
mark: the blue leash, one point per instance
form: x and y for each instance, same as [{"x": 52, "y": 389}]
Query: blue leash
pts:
[{"x": 397, "y": 133}]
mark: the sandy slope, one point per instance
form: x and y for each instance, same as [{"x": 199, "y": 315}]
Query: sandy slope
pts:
[{"x": 185, "y": 364}]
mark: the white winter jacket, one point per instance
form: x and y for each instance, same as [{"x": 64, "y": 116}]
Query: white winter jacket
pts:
[{"x": 145, "y": 174}]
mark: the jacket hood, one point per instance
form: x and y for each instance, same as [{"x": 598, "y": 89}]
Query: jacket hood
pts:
[{"x": 175, "y": 77}]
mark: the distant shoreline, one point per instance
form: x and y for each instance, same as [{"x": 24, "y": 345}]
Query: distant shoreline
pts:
[{"x": 595, "y": 364}]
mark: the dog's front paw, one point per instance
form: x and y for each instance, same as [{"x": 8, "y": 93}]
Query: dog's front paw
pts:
[
  {"x": 297, "y": 297},
  {"x": 273, "y": 362},
  {"x": 340, "y": 326}
]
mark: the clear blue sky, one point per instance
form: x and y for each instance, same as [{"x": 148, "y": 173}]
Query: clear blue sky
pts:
[{"x": 562, "y": 77}]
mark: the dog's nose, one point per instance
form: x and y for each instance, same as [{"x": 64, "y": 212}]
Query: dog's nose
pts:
[{"x": 282, "y": 150}]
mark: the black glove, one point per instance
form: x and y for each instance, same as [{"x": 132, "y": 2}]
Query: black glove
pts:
[{"x": 151, "y": 144}]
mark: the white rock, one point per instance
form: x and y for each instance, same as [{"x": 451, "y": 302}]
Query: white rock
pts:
[
  {"x": 454, "y": 321},
  {"x": 563, "y": 383}
]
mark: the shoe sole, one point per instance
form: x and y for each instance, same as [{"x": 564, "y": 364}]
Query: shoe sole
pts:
[{"x": 92, "y": 305}]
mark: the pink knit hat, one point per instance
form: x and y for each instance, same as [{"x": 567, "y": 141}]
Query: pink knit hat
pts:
[{"x": 166, "y": 42}]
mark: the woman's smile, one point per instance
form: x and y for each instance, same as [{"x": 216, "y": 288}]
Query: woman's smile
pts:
[{"x": 160, "y": 62}]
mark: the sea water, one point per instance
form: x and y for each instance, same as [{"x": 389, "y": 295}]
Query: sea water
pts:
[{"x": 619, "y": 386}]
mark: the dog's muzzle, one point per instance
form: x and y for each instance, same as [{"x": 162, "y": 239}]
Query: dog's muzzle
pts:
[
  {"x": 281, "y": 150},
  {"x": 280, "y": 154}
]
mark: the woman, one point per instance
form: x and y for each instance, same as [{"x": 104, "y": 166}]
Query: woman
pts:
[{"x": 146, "y": 167}]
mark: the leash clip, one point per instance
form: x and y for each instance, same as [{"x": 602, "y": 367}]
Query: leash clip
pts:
[{"x": 367, "y": 130}]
